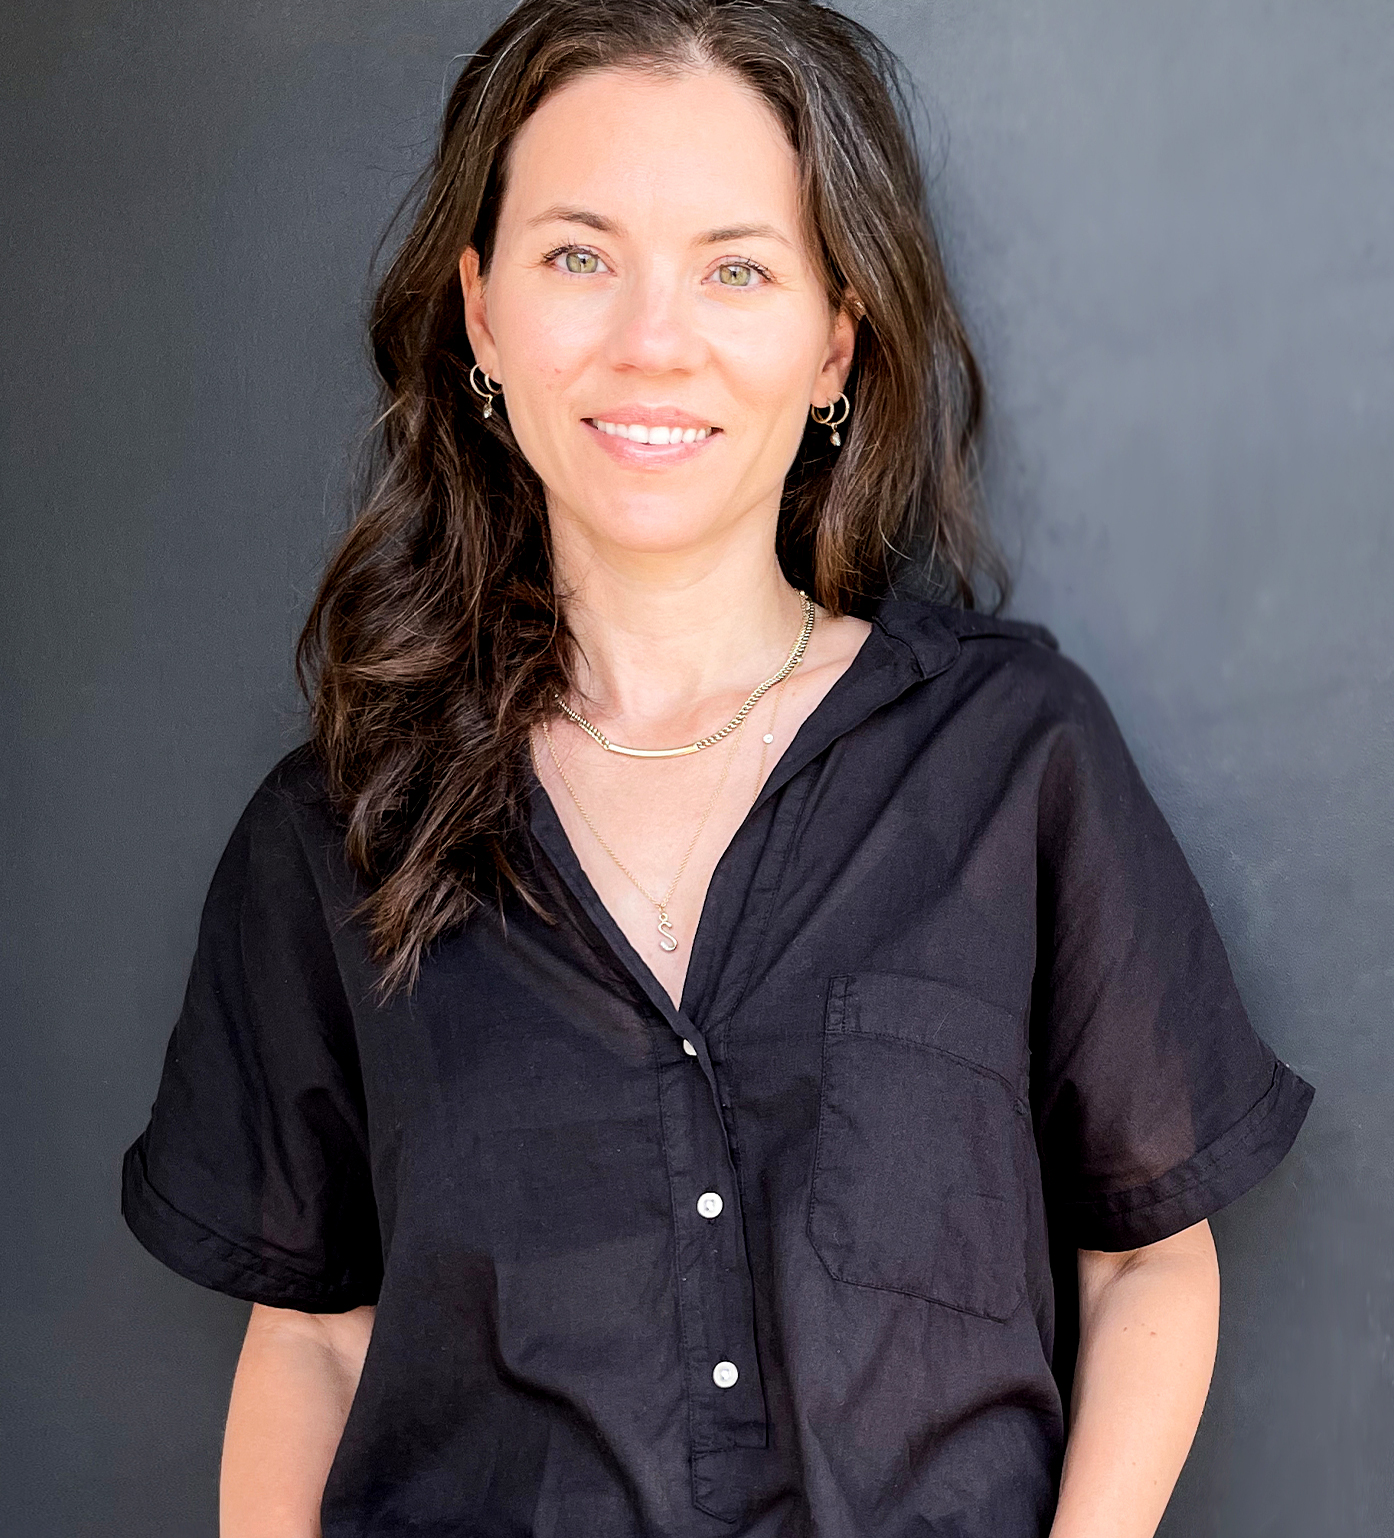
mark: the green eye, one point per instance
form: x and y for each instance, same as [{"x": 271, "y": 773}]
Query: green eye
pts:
[
  {"x": 734, "y": 274},
  {"x": 582, "y": 261}
]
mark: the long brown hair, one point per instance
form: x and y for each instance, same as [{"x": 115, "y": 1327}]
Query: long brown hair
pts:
[{"x": 436, "y": 637}]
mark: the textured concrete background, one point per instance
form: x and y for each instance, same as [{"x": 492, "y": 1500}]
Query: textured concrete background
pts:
[{"x": 1172, "y": 230}]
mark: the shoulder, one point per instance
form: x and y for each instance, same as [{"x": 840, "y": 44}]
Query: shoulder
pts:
[
  {"x": 972, "y": 625},
  {"x": 1013, "y": 667},
  {"x": 296, "y": 784},
  {"x": 1015, "y": 708},
  {"x": 288, "y": 826}
]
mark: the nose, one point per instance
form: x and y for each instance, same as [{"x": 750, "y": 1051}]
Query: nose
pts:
[{"x": 654, "y": 327}]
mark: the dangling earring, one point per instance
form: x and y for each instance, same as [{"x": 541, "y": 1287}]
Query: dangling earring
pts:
[
  {"x": 491, "y": 388},
  {"x": 830, "y": 420}
]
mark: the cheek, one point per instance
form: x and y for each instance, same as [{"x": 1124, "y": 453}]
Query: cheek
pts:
[
  {"x": 772, "y": 361},
  {"x": 543, "y": 341},
  {"x": 543, "y": 347}
]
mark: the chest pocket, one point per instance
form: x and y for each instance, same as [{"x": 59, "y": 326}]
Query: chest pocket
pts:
[{"x": 923, "y": 1130}]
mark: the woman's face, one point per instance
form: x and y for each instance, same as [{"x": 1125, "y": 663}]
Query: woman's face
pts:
[{"x": 652, "y": 311}]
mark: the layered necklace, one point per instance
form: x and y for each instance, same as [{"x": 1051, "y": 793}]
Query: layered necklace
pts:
[
  {"x": 667, "y": 940},
  {"x": 756, "y": 695}
]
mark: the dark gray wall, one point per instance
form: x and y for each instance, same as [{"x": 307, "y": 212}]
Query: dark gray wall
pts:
[{"x": 1172, "y": 227}]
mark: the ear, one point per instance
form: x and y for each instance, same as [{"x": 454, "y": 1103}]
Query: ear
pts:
[
  {"x": 842, "y": 342},
  {"x": 486, "y": 354}
]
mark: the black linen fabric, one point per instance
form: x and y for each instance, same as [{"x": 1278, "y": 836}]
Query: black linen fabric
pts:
[{"x": 955, "y": 1003}]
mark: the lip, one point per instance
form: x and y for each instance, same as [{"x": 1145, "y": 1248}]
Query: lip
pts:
[
  {"x": 634, "y": 415},
  {"x": 652, "y": 456}
]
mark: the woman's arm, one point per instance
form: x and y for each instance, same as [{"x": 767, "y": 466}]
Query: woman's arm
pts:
[
  {"x": 1148, "y": 1325},
  {"x": 295, "y": 1381}
]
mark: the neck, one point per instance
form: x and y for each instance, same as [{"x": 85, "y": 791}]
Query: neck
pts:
[{"x": 666, "y": 640}]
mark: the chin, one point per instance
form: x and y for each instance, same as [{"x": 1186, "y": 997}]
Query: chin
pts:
[{"x": 651, "y": 525}]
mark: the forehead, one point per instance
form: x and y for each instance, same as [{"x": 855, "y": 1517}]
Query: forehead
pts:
[{"x": 636, "y": 146}]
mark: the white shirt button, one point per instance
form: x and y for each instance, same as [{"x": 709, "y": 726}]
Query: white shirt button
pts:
[
  {"x": 724, "y": 1374},
  {"x": 709, "y": 1204},
  {"x": 688, "y": 1047}
]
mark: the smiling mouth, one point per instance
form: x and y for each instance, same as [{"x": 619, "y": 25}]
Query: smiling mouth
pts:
[{"x": 637, "y": 432}]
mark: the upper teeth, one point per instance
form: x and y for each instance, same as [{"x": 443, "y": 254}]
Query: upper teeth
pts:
[{"x": 638, "y": 434}]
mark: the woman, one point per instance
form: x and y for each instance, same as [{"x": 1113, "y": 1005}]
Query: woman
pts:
[{"x": 644, "y": 1054}]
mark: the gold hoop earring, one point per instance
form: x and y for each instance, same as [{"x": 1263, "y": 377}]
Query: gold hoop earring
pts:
[
  {"x": 492, "y": 387},
  {"x": 830, "y": 420}
]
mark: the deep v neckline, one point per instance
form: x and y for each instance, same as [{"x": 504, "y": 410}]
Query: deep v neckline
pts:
[{"x": 847, "y": 701}]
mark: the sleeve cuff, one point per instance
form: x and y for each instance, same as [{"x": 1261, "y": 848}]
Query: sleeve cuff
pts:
[
  {"x": 201, "y": 1255},
  {"x": 1206, "y": 1182}
]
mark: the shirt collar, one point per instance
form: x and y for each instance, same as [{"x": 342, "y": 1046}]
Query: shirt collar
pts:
[
  {"x": 907, "y": 644},
  {"x": 915, "y": 623}
]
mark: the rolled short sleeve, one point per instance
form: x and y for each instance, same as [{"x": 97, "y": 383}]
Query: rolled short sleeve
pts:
[
  {"x": 253, "y": 1175},
  {"x": 1156, "y": 1103}
]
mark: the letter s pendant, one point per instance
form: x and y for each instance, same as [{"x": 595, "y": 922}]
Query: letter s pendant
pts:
[{"x": 667, "y": 940}]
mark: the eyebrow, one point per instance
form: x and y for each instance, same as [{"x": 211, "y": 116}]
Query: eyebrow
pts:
[
  {"x": 743, "y": 232},
  {"x": 561, "y": 214}
]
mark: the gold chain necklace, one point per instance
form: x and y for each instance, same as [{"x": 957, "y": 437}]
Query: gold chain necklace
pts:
[
  {"x": 667, "y": 940},
  {"x": 795, "y": 657}
]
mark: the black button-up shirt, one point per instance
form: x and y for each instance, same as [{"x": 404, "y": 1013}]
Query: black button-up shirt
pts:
[{"x": 779, "y": 1261}]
